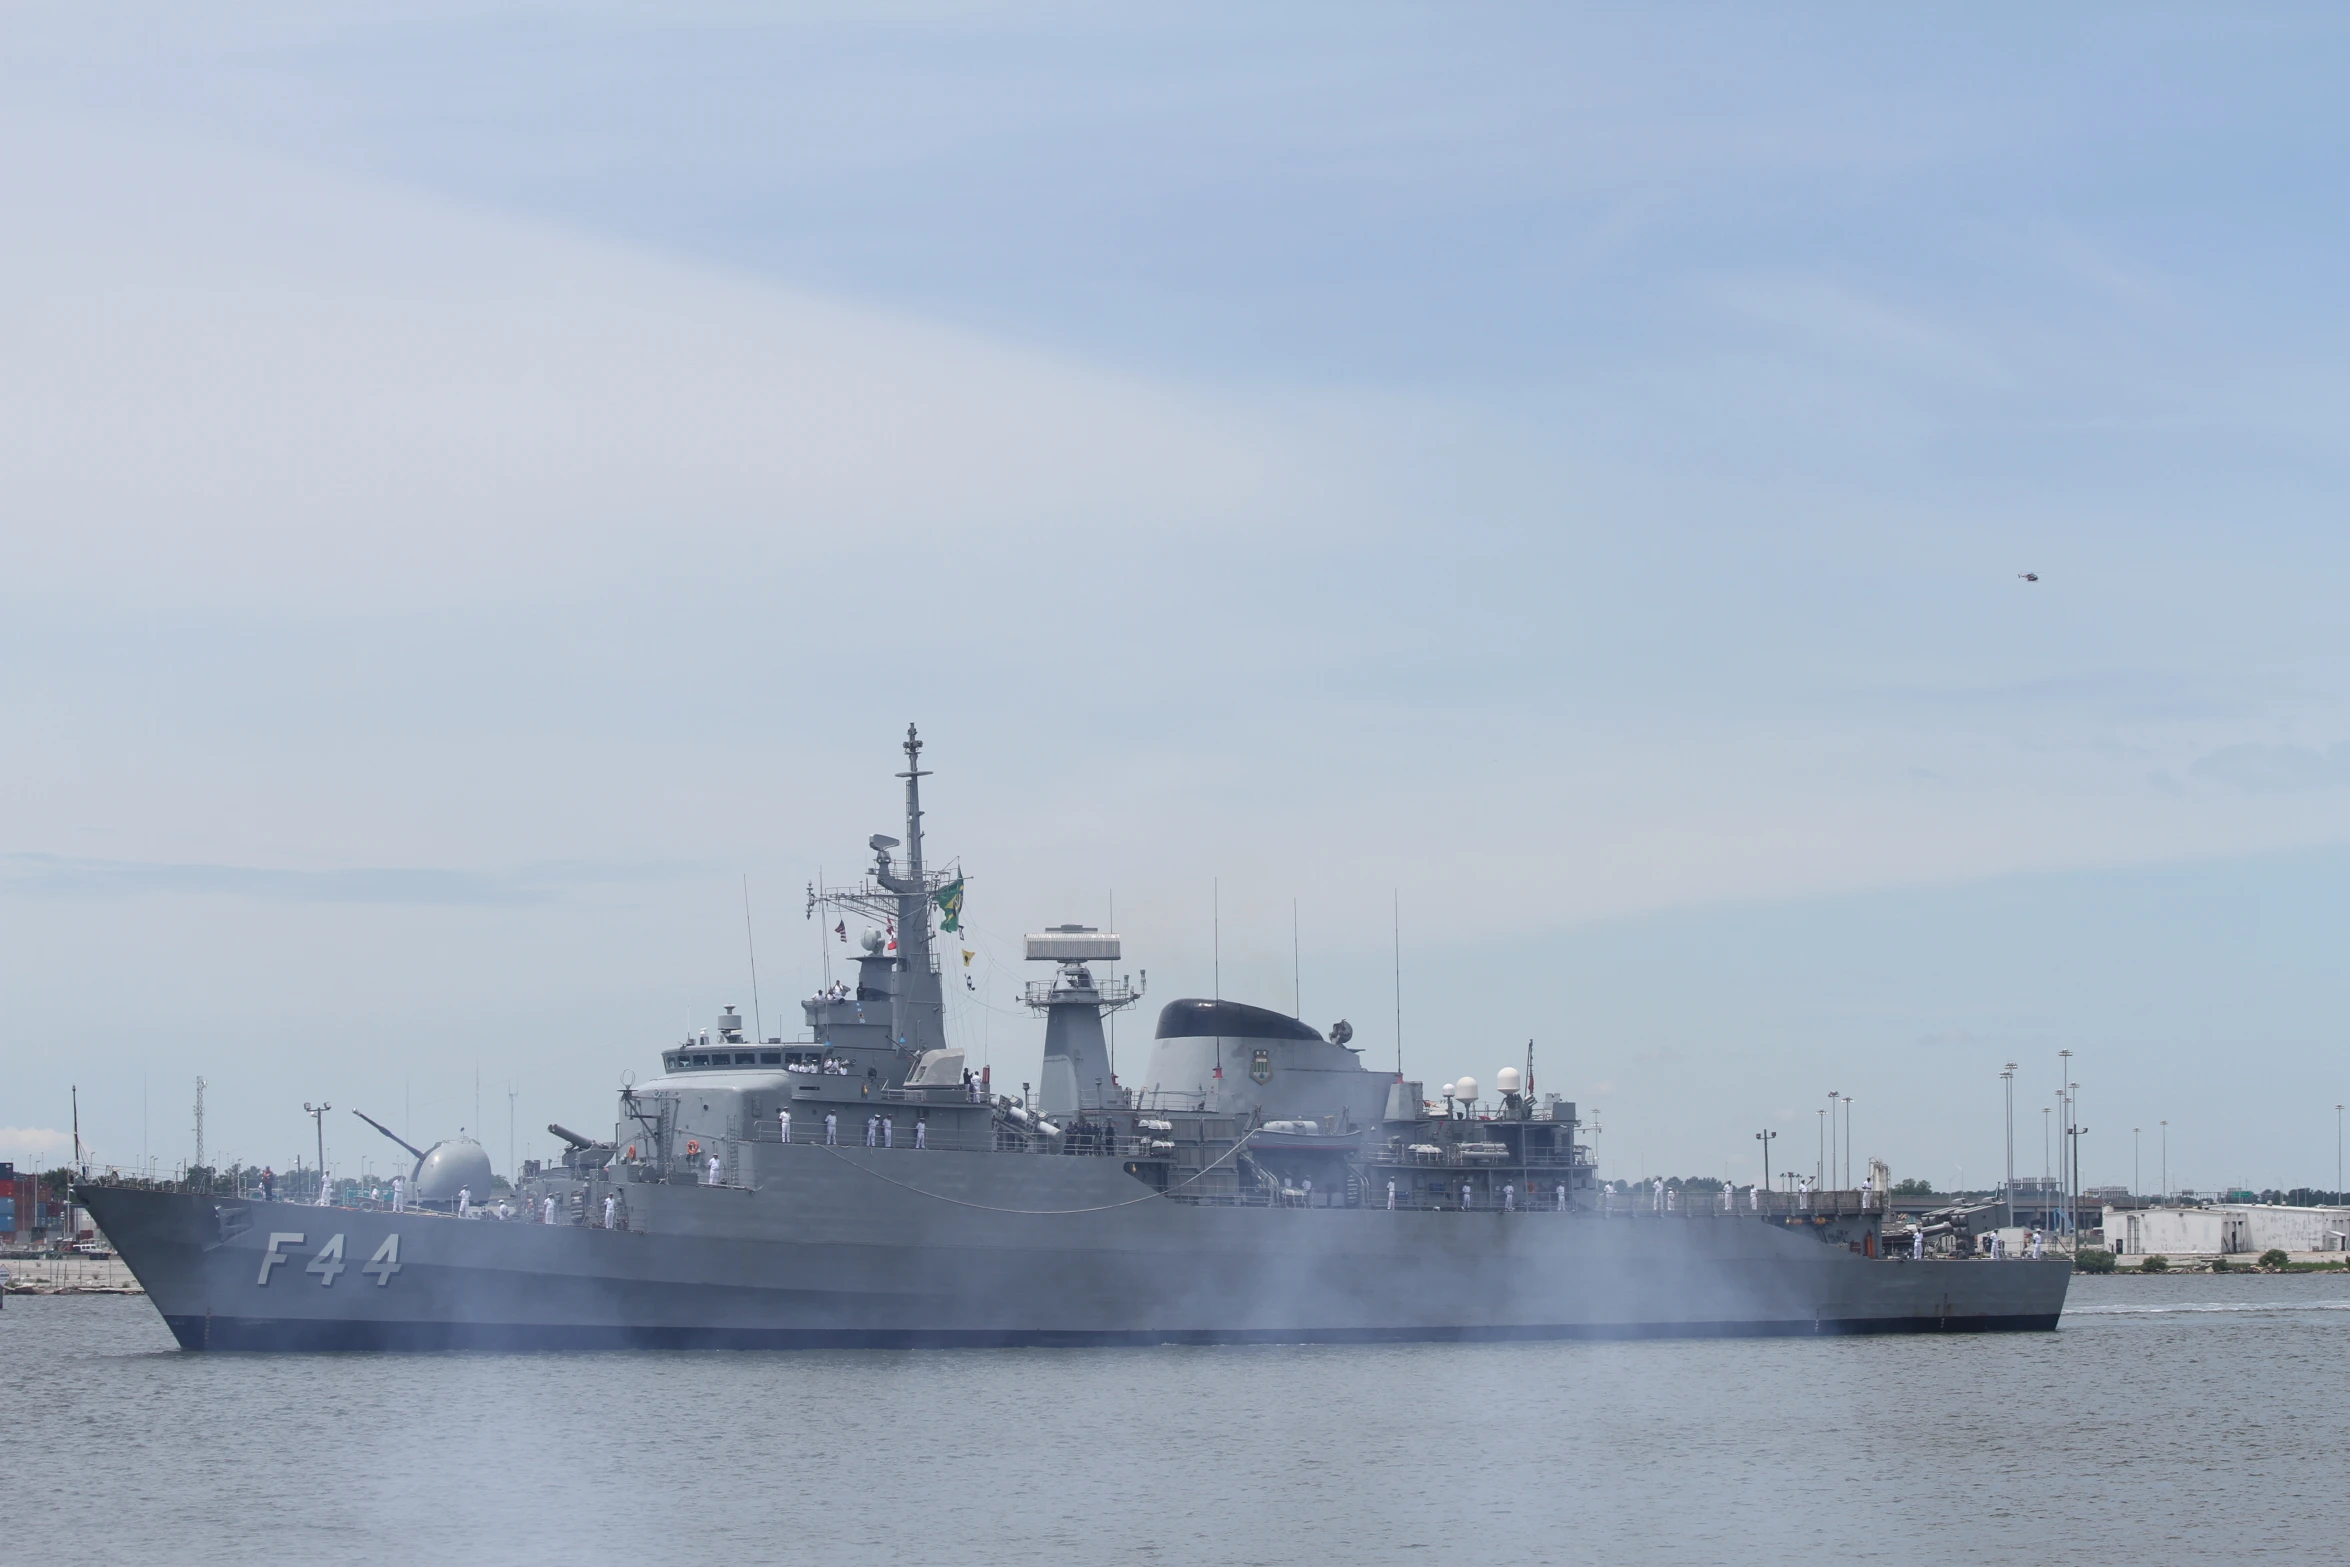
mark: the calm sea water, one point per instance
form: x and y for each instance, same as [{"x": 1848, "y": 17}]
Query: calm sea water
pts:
[{"x": 2168, "y": 1420}]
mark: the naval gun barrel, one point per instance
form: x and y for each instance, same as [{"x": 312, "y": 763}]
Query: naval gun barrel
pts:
[
  {"x": 388, "y": 1132},
  {"x": 579, "y": 1143}
]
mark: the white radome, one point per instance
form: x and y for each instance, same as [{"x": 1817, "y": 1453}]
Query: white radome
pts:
[
  {"x": 452, "y": 1165},
  {"x": 1506, "y": 1080},
  {"x": 1466, "y": 1089}
]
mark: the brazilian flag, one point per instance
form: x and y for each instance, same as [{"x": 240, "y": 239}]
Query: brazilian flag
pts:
[{"x": 950, "y": 904}]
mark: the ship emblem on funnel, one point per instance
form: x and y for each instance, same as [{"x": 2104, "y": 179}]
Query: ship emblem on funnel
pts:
[{"x": 1260, "y": 1066}]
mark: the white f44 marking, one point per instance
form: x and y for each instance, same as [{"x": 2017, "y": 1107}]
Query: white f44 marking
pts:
[
  {"x": 328, "y": 1263},
  {"x": 386, "y": 1260},
  {"x": 272, "y": 1257}
]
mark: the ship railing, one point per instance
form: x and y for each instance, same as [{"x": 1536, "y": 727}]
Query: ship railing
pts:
[
  {"x": 1072, "y": 1142},
  {"x": 1109, "y": 993},
  {"x": 1642, "y": 1202},
  {"x": 1409, "y": 1153}
]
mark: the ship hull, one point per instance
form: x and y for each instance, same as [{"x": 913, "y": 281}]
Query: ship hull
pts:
[{"x": 867, "y": 1248}]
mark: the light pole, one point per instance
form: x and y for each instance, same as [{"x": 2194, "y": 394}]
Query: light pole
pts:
[
  {"x": 2133, "y": 1161},
  {"x": 1765, "y": 1139},
  {"x": 2064, "y": 1100},
  {"x": 2337, "y": 1156},
  {"x": 2007, "y": 1093},
  {"x": 317, "y": 1113},
  {"x": 2073, "y": 1174},
  {"x": 2047, "y": 1181},
  {"x": 1847, "y": 1142},
  {"x": 1820, "y": 1174}
]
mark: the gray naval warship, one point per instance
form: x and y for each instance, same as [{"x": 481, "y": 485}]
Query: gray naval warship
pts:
[{"x": 862, "y": 1185}]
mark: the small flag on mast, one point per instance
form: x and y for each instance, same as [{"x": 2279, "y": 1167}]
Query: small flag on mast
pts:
[{"x": 950, "y": 904}]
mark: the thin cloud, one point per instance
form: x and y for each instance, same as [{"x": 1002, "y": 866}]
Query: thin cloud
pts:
[
  {"x": 58, "y": 876},
  {"x": 2266, "y": 769}
]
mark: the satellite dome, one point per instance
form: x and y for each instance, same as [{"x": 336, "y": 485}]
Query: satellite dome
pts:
[
  {"x": 1506, "y": 1080},
  {"x": 448, "y": 1166},
  {"x": 873, "y": 941},
  {"x": 1466, "y": 1088},
  {"x": 1446, "y": 1092}
]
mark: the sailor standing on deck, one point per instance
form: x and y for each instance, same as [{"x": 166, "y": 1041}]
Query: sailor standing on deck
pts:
[
  {"x": 889, "y": 1126},
  {"x": 1562, "y": 1197},
  {"x": 399, "y": 1194},
  {"x": 713, "y": 1181},
  {"x": 872, "y": 1130},
  {"x": 1468, "y": 1196},
  {"x": 1509, "y": 1197},
  {"x": 1917, "y": 1244},
  {"x": 547, "y": 1211},
  {"x": 464, "y": 1202},
  {"x": 1868, "y": 1192},
  {"x": 610, "y": 1202},
  {"x": 921, "y": 1131},
  {"x": 831, "y": 1127},
  {"x": 1391, "y": 1197},
  {"x": 783, "y": 1122}
]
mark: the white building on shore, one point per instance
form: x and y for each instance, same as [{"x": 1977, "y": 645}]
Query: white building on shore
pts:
[{"x": 2225, "y": 1229}]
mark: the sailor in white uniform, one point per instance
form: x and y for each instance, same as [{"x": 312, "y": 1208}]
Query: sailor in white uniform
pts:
[
  {"x": 1917, "y": 1245},
  {"x": 1562, "y": 1197},
  {"x": 713, "y": 1180},
  {"x": 889, "y": 1126},
  {"x": 609, "y": 1203},
  {"x": 783, "y": 1122},
  {"x": 1468, "y": 1196},
  {"x": 1391, "y": 1197},
  {"x": 399, "y": 1194},
  {"x": 831, "y": 1127},
  {"x": 547, "y": 1211},
  {"x": 1509, "y": 1197},
  {"x": 464, "y": 1202},
  {"x": 872, "y": 1130},
  {"x": 921, "y": 1131}
]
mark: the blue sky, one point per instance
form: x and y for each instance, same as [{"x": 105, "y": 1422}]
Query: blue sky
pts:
[{"x": 484, "y": 481}]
